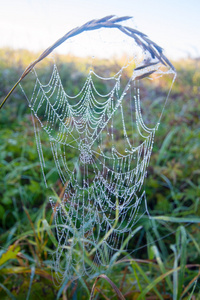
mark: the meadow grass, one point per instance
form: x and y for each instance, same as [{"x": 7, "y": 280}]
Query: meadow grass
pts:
[{"x": 164, "y": 257}]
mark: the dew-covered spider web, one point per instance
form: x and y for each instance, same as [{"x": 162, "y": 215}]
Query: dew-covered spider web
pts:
[{"x": 101, "y": 136}]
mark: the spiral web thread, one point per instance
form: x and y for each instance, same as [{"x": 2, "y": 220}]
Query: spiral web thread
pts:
[{"x": 103, "y": 195}]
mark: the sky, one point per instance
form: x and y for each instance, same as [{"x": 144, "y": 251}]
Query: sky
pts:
[{"x": 36, "y": 24}]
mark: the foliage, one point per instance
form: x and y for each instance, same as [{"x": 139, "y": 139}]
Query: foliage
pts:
[{"x": 165, "y": 261}]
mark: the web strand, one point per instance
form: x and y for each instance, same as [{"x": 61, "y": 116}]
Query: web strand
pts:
[{"x": 103, "y": 180}]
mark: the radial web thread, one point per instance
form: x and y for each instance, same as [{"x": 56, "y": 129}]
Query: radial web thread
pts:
[{"x": 103, "y": 196}]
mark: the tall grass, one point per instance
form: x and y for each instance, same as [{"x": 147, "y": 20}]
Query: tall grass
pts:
[{"x": 164, "y": 257}]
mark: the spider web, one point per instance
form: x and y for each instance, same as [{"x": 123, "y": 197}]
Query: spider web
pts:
[{"x": 103, "y": 195}]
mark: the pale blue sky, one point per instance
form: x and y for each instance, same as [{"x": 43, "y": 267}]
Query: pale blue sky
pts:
[{"x": 36, "y": 24}]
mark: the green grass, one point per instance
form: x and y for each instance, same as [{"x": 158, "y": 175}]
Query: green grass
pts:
[{"x": 164, "y": 260}]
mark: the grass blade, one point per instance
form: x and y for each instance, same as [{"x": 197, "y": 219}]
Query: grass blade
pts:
[
  {"x": 11, "y": 253},
  {"x": 177, "y": 220},
  {"x": 175, "y": 273},
  {"x": 190, "y": 297},
  {"x": 181, "y": 245},
  {"x": 117, "y": 254},
  {"x": 147, "y": 281},
  {"x": 165, "y": 145},
  {"x": 115, "y": 288},
  {"x": 31, "y": 281},
  {"x": 66, "y": 281},
  {"x": 7, "y": 291},
  {"x": 193, "y": 281},
  {"x": 162, "y": 266},
  {"x": 155, "y": 282},
  {"x": 50, "y": 234}
]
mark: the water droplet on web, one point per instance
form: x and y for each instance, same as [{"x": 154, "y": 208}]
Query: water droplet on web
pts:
[
  {"x": 100, "y": 175},
  {"x": 157, "y": 125}
]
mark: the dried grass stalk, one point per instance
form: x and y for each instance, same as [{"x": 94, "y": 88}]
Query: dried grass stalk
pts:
[{"x": 107, "y": 22}]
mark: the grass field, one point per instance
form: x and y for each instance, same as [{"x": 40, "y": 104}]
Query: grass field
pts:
[{"x": 165, "y": 261}]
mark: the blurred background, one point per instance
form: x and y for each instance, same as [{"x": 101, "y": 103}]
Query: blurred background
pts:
[{"x": 172, "y": 186}]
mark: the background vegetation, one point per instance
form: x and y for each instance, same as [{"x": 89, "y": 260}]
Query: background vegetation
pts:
[{"x": 166, "y": 260}]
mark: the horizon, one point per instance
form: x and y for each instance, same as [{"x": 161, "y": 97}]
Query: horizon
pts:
[{"x": 73, "y": 57}]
